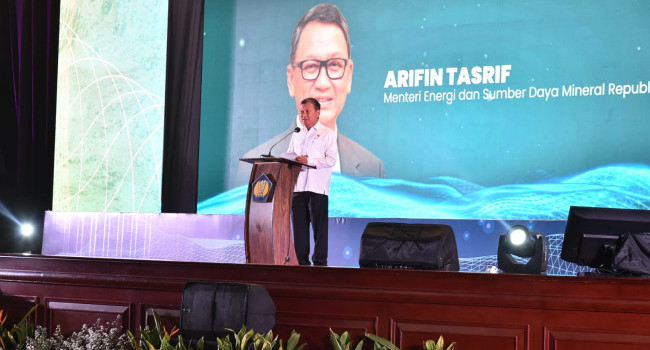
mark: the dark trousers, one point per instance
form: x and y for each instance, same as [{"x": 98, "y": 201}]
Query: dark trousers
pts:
[{"x": 306, "y": 208}]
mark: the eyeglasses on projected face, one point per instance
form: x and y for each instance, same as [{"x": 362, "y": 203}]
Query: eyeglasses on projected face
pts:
[{"x": 335, "y": 68}]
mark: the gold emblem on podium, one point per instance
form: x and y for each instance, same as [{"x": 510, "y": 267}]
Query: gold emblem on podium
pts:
[{"x": 262, "y": 189}]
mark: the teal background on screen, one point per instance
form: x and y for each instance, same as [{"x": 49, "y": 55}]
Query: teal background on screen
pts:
[
  {"x": 488, "y": 143},
  {"x": 215, "y": 97}
]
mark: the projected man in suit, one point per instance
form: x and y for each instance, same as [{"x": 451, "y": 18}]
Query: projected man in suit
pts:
[{"x": 320, "y": 66}]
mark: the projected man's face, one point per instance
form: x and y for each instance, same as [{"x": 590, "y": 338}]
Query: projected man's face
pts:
[{"x": 326, "y": 78}]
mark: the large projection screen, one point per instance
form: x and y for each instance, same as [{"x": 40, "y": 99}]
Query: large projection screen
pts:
[
  {"x": 477, "y": 109},
  {"x": 110, "y": 106}
]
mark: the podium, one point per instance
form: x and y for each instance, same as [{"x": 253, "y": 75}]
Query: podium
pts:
[{"x": 267, "y": 230}]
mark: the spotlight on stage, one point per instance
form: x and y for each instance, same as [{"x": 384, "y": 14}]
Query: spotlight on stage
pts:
[
  {"x": 26, "y": 230},
  {"x": 520, "y": 242}
]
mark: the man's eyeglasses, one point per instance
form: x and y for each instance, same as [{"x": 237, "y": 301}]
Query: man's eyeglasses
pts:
[{"x": 335, "y": 68}]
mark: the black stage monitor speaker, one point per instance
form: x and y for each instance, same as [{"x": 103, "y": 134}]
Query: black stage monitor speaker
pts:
[
  {"x": 408, "y": 246},
  {"x": 209, "y": 308}
]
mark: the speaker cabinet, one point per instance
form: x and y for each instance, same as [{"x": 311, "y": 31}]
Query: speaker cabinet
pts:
[
  {"x": 209, "y": 308},
  {"x": 408, "y": 246}
]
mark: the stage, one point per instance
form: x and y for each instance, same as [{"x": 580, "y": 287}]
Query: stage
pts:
[{"x": 477, "y": 311}]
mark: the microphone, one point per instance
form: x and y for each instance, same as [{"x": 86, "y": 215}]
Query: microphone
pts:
[{"x": 297, "y": 129}]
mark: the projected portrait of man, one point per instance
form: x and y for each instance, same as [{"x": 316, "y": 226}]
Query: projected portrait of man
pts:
[{"x": 320, "y": 66}]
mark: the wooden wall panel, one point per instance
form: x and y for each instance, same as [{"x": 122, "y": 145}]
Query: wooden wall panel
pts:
[
  {"x": 594, "y": 339},
  {"x": 314, "y": 329},
  {"x": 467, "y": 336},
  {"x": 71, "y": 316},
  {"x": 14, "y": 307}
]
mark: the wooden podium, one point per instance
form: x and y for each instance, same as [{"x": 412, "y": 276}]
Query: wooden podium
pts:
[{"x": 267, "y": 230}]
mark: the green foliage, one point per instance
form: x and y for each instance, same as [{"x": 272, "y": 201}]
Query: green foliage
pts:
[
  {"x": 159, "y": 339},
  {"x": 17, "y": 336},
  {"x": 440, "y": 345},
  {"x": 242, "y": 340},
  {"x": 245, "y": 339},
  {"x": 343, "y": 342},
  {"x": 292, "y": 343},
  {"x": 385, "y": 344},
  {"x": 265, "y": 342},
  {"x": 381, "y": 343}
]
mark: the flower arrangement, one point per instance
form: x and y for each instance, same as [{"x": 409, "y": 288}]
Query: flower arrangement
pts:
[
  {"x": 98, "y": 336},
  {"x": 111, "y": 336}
]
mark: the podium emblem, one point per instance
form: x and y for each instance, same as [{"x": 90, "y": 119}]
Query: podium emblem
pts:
[{"x": 262, "y": 189}]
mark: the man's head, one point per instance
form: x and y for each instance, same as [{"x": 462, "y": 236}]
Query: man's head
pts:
[
  {"x": 319, "y": 61},
  {"x": 309, "y": 112}
]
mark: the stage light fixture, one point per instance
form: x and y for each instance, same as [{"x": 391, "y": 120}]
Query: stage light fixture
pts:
[
  {"x": 520, "y": 242},
  {"x": 26, "y": 230}
]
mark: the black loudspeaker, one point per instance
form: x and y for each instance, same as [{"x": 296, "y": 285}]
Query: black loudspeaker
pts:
[
  {"x": 209, "y": 308},
  {"x": 408, "y": 246}
]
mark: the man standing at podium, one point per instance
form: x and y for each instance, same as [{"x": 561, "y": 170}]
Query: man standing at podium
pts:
[{"x": 314, "y": 145}]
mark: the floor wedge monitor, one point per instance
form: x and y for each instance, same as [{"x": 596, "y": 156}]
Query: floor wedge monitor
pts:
[{"x": 408, "y": 246}]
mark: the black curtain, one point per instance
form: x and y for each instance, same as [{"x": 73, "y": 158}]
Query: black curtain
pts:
[
  {"x": 29, "y": 32},
  {"x": 182, "y": 106}
]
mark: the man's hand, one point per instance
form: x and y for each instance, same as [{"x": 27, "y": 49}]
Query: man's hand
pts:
[{"x": 302, "y": 159}]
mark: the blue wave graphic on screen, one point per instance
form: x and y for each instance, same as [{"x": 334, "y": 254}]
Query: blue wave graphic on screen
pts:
[{"x": 617, "y": 186}]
